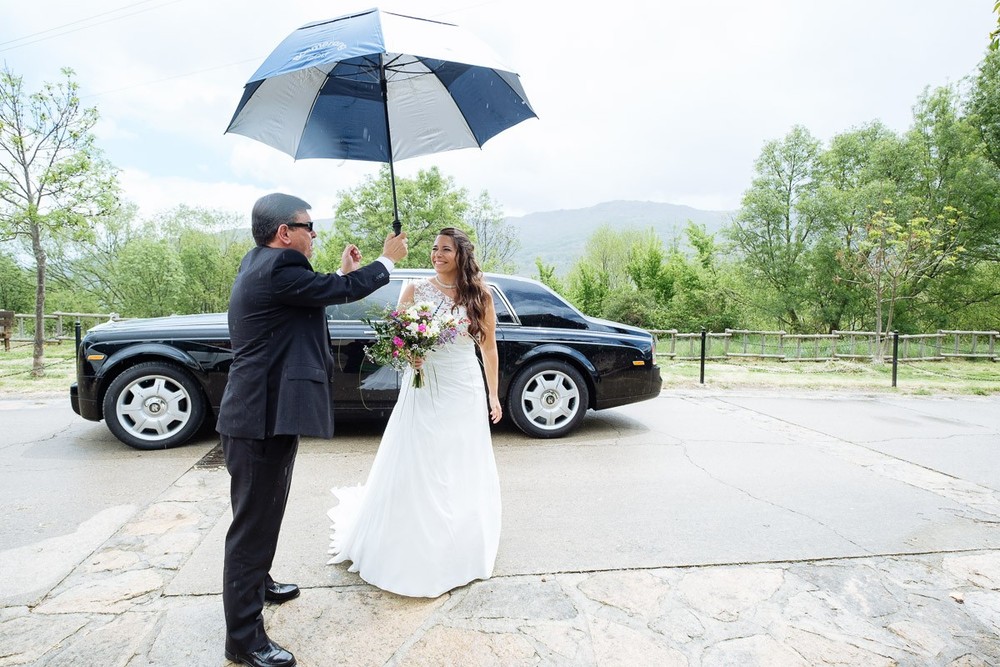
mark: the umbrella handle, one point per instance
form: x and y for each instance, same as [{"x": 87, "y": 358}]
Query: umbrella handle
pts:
[{"x": 397, "y": 226}]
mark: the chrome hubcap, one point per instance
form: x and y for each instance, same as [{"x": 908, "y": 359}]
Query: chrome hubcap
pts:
[
  {"x": 153, "y": 407},
  {"x": 550, "y": 399}
]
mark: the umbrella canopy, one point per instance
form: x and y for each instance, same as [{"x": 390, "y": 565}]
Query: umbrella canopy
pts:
[{"x": 380, "y": 87}]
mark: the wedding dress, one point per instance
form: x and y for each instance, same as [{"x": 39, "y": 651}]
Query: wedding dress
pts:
[{"x": 428, "y": 518}]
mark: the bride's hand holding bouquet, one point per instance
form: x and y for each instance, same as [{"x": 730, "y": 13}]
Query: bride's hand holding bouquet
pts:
[{"x": 404, "y": 336}]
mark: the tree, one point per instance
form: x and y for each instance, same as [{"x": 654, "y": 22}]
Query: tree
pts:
[
  {"x": 149, "y": 279},
  {"x": 966, "y": 302},
  {"x": 89, "y": 266},
  {"x": 589, "y": 286},
  {"x": 779, "y": 219},
  {"x": 984, "y": 104},
  {"x": 209, "y": 253},
  {"x": 896, "y": 254},
  {"x": 496, "y": 241},
  {"x": 364, "y": 216},
  {"x": 52, "y": 176},
  {"x": 16, "y": 292},
  {"x": 203, "y": 252},
  {"x": 862, "y": 168},
  {"x": 547, "y": 276},
  {"x": 995, "y": 35},
  {"x": 603, "y": 268},
  {"x": 953, "y": 171}
]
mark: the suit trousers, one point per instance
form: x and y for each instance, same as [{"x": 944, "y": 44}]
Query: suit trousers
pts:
[{"x": 261, "y": 475}]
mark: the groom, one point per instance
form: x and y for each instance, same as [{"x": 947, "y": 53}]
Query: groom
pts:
[{"x": 278, "y": 389}]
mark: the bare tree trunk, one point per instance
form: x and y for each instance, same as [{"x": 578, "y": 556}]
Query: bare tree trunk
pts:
[
  {"x": 38, "y": 355},
  {"x": 879, "y": 352}
]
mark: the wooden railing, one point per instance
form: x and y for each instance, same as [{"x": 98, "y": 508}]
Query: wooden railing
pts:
[
  {"x": 59, "y": 326},
  {"x": 782, "y": 346}
]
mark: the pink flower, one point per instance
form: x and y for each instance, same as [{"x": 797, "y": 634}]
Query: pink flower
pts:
[
  {"x": 421, "y": 328},
  {"x": 395, "y": 353},
  {"x": 398, "y": 342}
]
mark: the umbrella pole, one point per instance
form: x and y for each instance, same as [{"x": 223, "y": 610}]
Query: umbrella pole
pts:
[{"x": 397, "y": 226}]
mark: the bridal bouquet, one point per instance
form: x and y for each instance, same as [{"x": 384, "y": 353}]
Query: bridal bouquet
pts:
[{"x": 402, "y": 335}]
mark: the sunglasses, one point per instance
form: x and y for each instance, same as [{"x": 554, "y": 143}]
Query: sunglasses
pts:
[{"x": 307, "y": 225}]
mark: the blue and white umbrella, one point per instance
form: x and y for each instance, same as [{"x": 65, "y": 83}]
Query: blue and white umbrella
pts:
[{"x": 380, "y": 87}]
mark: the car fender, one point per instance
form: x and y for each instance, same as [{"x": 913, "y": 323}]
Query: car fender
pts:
[{"x": 118, "y": 361}]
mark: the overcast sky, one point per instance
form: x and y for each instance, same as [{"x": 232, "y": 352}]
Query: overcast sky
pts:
[{"x": 663, "y": 100}]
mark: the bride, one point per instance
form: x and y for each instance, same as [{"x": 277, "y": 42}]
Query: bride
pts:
[{"x": 428, "y": 518}]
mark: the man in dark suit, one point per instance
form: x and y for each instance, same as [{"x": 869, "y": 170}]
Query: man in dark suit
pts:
[{"x": 278, "y": 389}]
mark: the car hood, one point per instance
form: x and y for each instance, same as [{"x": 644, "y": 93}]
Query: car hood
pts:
[
  {"x": 173, "y": 322},
  {"x": 597, "y": 324}
]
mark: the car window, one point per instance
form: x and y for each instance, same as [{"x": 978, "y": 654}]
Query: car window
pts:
[
  {"x": 504, "y": 316},
  {"x": 372, "y": 305},
  {"x": 537, "y": 306}
]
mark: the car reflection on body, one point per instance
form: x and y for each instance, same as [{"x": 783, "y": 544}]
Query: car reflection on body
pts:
[{"x": 155, "y": 381}]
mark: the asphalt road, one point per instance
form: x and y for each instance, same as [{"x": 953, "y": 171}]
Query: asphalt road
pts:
[{"x": 685, "y": 479}]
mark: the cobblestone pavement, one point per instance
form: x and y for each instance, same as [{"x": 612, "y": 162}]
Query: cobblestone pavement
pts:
[{"x": 114, "y": 608}]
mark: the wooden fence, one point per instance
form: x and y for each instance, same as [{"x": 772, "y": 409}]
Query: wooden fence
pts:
[
  {"x": 731, "y": 344},
  {"x": 858, "y": 345},
  {"x": 59, "y": 326}
]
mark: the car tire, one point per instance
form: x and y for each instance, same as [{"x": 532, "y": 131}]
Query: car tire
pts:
[
  {"x": 548, "y": 399},
  {"x": 154, "y": 405}
]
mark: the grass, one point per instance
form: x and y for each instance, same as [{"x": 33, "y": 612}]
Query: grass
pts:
[
  {"x": 927, "y": 378},
  {"x": 976, "y": 377},
  {"x": 15, "y": 371}
]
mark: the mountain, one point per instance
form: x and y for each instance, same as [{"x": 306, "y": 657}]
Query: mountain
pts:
[{"x": 559, "y": 237}]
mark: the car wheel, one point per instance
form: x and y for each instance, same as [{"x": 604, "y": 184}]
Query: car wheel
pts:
[
  {"x": 154, "y": 405},
  {"x": 548, "y": 399}
]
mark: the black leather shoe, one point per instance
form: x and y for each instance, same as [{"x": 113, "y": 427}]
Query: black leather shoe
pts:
[
  {"x": 271, "y": 655},
  {"x": 278, "y": 593}
]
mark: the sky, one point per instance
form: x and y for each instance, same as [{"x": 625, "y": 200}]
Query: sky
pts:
[{"x": 660, "y": 100}]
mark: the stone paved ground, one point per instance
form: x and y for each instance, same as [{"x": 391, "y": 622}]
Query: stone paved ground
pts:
[{"x": 111, "y": 610}]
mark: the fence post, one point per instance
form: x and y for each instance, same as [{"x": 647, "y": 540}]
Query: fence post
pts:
[
  {"x": 703, "y": 339},
  {"x": 895, "y": 355},
  {"x": 77, "y": 331}
]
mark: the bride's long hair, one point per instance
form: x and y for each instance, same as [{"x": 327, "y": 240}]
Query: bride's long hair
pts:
[{"x": 470, "y": 287}]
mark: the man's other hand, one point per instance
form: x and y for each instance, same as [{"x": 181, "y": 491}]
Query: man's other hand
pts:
[
  {"x": 395, "y": 247},
  {"x": 350, "y": 259}
]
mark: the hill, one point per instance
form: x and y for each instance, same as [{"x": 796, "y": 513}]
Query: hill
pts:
[{"x": 559, "y": 237}]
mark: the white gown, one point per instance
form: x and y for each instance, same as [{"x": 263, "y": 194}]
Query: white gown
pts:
[{"x": 428, "y": 518}]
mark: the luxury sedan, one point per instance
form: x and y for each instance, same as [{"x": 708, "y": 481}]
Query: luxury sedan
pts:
[{"x": 155, "y": 381}]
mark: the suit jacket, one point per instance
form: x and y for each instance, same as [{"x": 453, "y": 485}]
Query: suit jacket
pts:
[{"x": 279, "y": 382}]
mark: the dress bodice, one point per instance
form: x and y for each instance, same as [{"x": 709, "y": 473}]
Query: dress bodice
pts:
[{"x": 425, "y": 290}]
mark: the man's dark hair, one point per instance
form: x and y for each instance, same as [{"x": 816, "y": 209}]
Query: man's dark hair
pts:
[{"x": 270, "y": 212}]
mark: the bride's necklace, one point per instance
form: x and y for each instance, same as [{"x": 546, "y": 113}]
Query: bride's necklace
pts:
[{"x": 442, "y": 284}]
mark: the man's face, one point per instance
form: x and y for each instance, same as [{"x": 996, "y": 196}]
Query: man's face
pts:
[{"x": 302, "y": 237}]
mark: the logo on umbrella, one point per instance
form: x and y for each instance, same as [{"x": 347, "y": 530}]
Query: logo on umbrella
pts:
[{"x": 317, "y": 51}]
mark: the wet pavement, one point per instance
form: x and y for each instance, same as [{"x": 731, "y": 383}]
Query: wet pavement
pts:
[{"x": 700, "y": 528}]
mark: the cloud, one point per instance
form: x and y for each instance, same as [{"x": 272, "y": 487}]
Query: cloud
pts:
[{"x": 636, "y": 100}]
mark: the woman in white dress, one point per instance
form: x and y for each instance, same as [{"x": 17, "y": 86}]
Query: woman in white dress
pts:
[{"x": 428, "y": 518}]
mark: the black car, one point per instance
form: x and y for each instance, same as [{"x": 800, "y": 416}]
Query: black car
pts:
[{"x": 156, "y": 380}]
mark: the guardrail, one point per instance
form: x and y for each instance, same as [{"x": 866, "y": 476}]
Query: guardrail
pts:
[{"x": 859, "y": 345}]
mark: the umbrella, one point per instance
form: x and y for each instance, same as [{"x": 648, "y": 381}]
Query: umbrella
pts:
[{"x": 380, "y": 87}]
